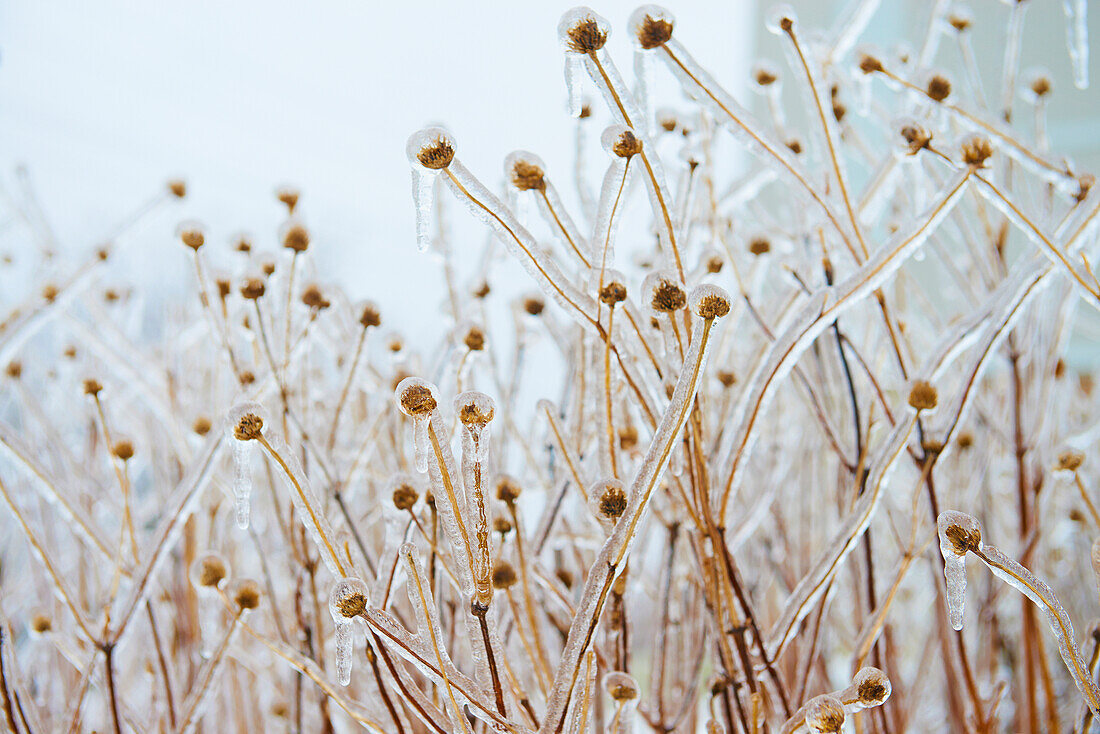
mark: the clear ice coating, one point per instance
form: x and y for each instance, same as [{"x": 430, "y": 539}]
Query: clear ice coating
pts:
[
  {"x": 957, "y": 531},
  {"x": 240, "y": 419},
  {"x": 420, "y": 443},
  {"x": 429, "y": 151},
  {"x": 347, "y": 601},
  {"x": 423, "y": 188},
  {"x": 573, "y": 67},
  {"x": 1077, "y": 39}
]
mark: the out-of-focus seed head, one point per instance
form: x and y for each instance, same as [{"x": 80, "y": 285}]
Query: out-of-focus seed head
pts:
[
  {"x": 191, "y": 235},
  {"x": 123, "y": 450},
  {"x": 473, "y": 338},
  {"x": 209, "y": 571},
  {"x": 312, "y": 297},
  {"x": 252, "y": 288},
  {"x": 1070, "y": 460},
  {"x": 508, "y": 489},
  {"x": 296, "y": 237},
  {"x": 201, "y": 426},
  {"x": 504, "y": 575},
  {"x": 247, "y": 594},
  {"x": 533, "y": 305},
  {"x": 765, "y": 74},
  {"x": 922, "y": 395},
  {"x": 976, "y": 149},
  {"x": 502, "y": 525},
  {"x": 620, "y": 686},
  {"x": 14, "y": 370},
  {"x": 869, "y": 64},
  {"x": 939, "y": 88},
  {"x": 917, "y": 137},
  {"x": 289, "y": 197},
  {"x": 177, "y": 187},
  {"x": 41, "y": 624},
  {"x": 369, "y": 315},
  {"x": 92, "y": 387}
]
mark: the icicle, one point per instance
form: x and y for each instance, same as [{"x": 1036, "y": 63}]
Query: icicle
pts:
[
  {"x": 573, "y": 64},
  {"x": 420, "y": 443},
  {"x": 650, "y": 26},
  {"x": 1077, "y": 39},
  {"x": 643, "y": 80},
  {"x": 429, "y": 151},
  {"x": 347, "y": 602},
  {"x": 958, "y": 533},
  {"x": 238, "y": 426},
  {"x": 475, "y": 411}
]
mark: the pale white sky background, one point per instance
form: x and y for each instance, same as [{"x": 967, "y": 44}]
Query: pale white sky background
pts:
[{"x": 104, "y": 101}]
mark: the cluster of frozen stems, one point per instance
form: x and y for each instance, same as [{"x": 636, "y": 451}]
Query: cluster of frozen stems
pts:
[{"x": 814, "y": 352}]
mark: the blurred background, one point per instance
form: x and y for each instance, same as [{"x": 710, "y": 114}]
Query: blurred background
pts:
[{"x": 101, "y": 103}]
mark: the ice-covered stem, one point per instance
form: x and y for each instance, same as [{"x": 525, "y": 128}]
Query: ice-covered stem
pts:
[
  {"x": 432, "y": 151},
  {"x": 708, "y": 303},
  {"x": 246, "y": 422},
  {"x": 527, "y": 172},
  {"x": 369, "y": 317},
  {"x": 347, "y": 601},
  {"x": 583, "y": 35},
  {"x": 961, "y": 534},
  {"x": 475, "y": 411},
  {"x": 417, "y": 399},
  {"x": 1077, "y": 39},
  {"x": 622, "y": 146}
]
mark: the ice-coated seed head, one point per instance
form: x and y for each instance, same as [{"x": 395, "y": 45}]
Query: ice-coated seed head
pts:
[
  {"x": 872, "y": 687},
  {"x": 620, "y": 141},
  {"x": 781, "y": 19},
  {"x": 474, "y": 409},
  {"x": 824, "y": 714},
  {"x": 709, "y": 301},
  {"x": 975, "y": 150},
  {"x": 620, "y": 686},
  {"x": 245, "y": 421},
  {"x": 582, "y": 31},
  {"x": 958, "y": 532},
  {"x": 404, "y": 492},
  {"x": 246, "y": 594},
  {"x": 651, "y": 26},
  {"x": 416, "y": 397},
  {"x": 922, "y": 395},
  {"x": 765, "y": 73},
  {"x": 609, "y": 500},
  {"x": 525, "y": 171},
  {"x": 349, "y": 599},
  {"x": 663, "y": 292},
  {"x": 1070, "y": 460},
  {"x": 209, "y": 571},
  {"x": 432, "y": 148}
]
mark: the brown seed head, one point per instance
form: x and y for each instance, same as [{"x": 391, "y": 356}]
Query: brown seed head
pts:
[
  {"x": 764, "y": 76},
  {"x": 653, "y": 32},
  {"x": 370, "y": 316},
  {"x": 405, "y": 496},
  {"x": 249, "y": 428},
  {"x": 352, "y": 605},
  {"x": 1070, "y": 460},
  {"x": 963, "y": 540},
  {"x": 481, "y": 290},
  {"x": 41, "y": 624},
  {"x": 252, "y": 288},
  {"x": 92, "y": 387},
  {"x": 248, "y": 595},
  {"x": 959, "y": 21},
  {"x": 502, "y": 525},
  {"x": 201, "y": 426},
  {"x": 211, "y": 572},
  {"x": 288, "y": 197},
  {"x": 1040, "y": 86},
  {"x": 49, "y": 292},
  {"x": 939, "y": 88},
  {"x": 760, "y": 245},
  {"x": 712, "y": 306},
  {"x": 1085, "y": 182},
  {"x": 965, "y": 440},
  {"x": 869, "y": 64},
  {"x": 622, "y": 692},
  {"x": 628, "y": 438},
  {"x": 975, "y": 150},
  {"x": 612, "y": 502},
  {"x": 14, "y": 370},
  {"x": 504, "y": 576},
  {"x": 922, "y": 395},
  {"x": 586, "y": 36},
  {"x": 527, "y": 176},
  {"x": 715, "y": 263},
  {"x": 667, "y": 297},
  {"x": 418, "y": 400},
  {"x": 178, "y": 188},
  {"x": 471, "y": 414},
  {"x": 224, "y": 288},
  {"x": 192, "y": 237},
  {"x": 247, "y": 377},
  {"x": 436, "y": 155},
  {"x": 565, "y": 577},
  {"x": 508, "y": 490},
  {"x": 726, "y": 377},
  {"x": 825, "y": 714},
  {"x": 296, "y": 238},
  {"x": 627, "y": 145},
  {"x": 533, "y": 305},
  {"x": 871, "y": 691},
  {"x": 586, "y": 112},
  {"x": 794, "y": 145},
  {"x": 312, "y": 297},
  {"x": 243, "y": 244},
  {"x": 613, "y": 293},
  {"x": 70, "y": 352},
  {"x": 474, "y": 339},
  {"x": 917, "y": 137},
  {"x": 124, "y": 450}
]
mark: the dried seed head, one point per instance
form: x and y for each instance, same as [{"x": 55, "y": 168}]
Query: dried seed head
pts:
[
  {"x": 917, "y": 137},
  {"x": 508, "y": 490},
  {"x": 666, "y": 119},
  {"x": 289, "y": 197},
  {"x": 651, "y": 26},
  {"x": 252, "y": 288},
  {"x": 872, "y": 687},
  {"x": 191, "y": 235},
  {"x": 765, "y": 74},
  {"x": 247, "y": 377},
  {"x": 586, "y": 111},
  {"x": 620, "y": 686},
  {"x": 394, "y": 344},
  {"x": 201, "y": 426},
  {"x": 965, "y": 440},
  {"x": 939, "y": 88},
  {"x": 526, "y": 171},
  {"x": 474, "y": 338},
  {"x": 533, "y": 305},
  {"x": 416, "y": 397},
  {"x": 621, "y": 142},
  {"x": 70, "y": 352},
  {"x": 41, "y": 624},
  {"x": 246, "y": 421},
  {"x": 504, "y": 576},
  {"x": 760, "y": 245},
  {"x": 715, "y": 263},
  {"x": 628, "y": 437},
  {"x": 869, "y": 64},
  {"x": 296, "y": 238},
  {"x": 49, "y": 292},
  {"x": 209, "y": 571},
  {"x": 124, "y": 450},
  {"x": 612, "y": 293},
  {"x": 178, "y": 188},
  {"x": 581, "y": 31},
  {"x": 922, "y": 395},
  {"x": 433, "y": 148},
  {"x": 474, "y": 409},
  {"x": 794, "y": 145},
  {"x": 726, "y": 377},
  {"x": 312, "y": 297},
  {"x": 663, "y": 292},
  {"x": 225, "y": 287},
  {"x": 610, "y": 496},
  {"x": 348, "y": 599},
  {"x": 14, "y": 370},
  {"x": 975, "y": 150},
  {"x": 1040, "y": 85},
  {"x": 370, "y": 315},
  {"x": 1085, "y": 182},
  {"x": 565, "y": 577},
  {"x": 404, "y": 495},
  {"x": 246, "y": 594},
  {"x": 958, "y": 533},
  {"x": 709, "y": 301},
  {"x": 502, "y": 525},
  {"x": 960, "y": 19},
  {"x": 481, "y": 290},
  {"x": 1070, "y": 460},
  {"x": 242, "y": 243},
  {"x": 824, "y": 714},
  {"x": 92, "y": 387}
]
